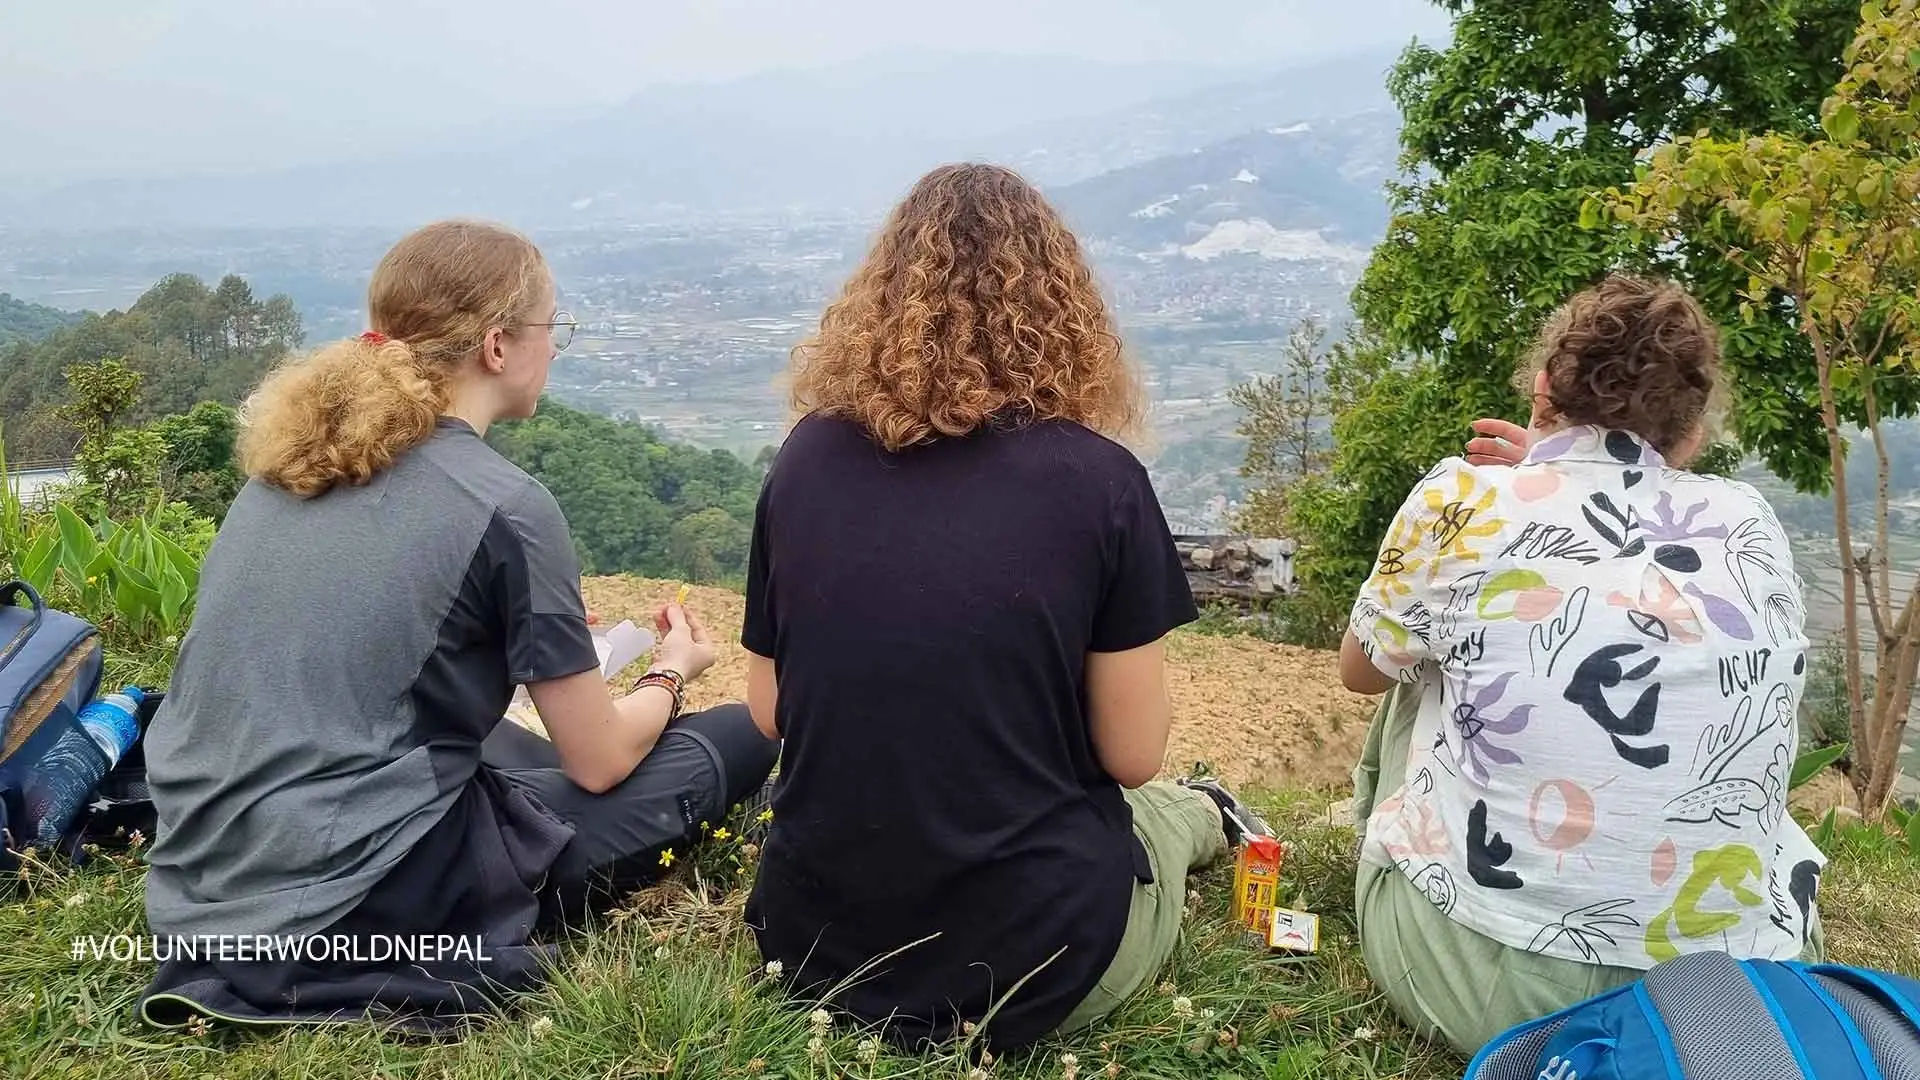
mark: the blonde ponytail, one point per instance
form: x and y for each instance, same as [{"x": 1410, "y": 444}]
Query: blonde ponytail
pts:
[
  {"x": 339, "y": 415},
  {"x": 344, "y": 413}
]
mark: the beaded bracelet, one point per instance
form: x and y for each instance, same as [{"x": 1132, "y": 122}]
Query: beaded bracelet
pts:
[{"x": 673, "y": 681}]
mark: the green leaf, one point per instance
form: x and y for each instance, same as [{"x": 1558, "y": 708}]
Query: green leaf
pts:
[
  {"x": 1797, "y": 222},
  {"x": 1822, "y": 834},
  {"x": 177, "y": 558},
  {"x": 37, "y": 565},
  {"x": 77, "y": 545},
  {"x": 1590, "y": 213},
  {"x": 1843, "y": 123},
  {"x": 1819, "y": 261},
  {"x": 173, "y": 596},
  {"x": 1809, "y": 764},
  {"x": 1913, "y": 834},
  {"x": 135, "y": 601},
  {"x": 129, "y": 572}
]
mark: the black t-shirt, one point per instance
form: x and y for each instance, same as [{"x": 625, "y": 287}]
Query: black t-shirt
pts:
[{"x": 929, "y": 615}]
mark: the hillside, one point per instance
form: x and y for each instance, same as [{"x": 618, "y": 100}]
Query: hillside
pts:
[
  {"x": 1306, "y": 189},
  {"x": 22, "y": 321},
  {"x": 1260, "y": 714}
]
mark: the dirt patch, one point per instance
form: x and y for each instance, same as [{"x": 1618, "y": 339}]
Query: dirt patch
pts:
[{"x": 1258, "y": 714}]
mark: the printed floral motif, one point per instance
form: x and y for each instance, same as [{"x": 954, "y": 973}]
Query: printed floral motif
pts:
[
  {"x": 1460, "y": 518},
  {"x": 1479, "y": 725}
]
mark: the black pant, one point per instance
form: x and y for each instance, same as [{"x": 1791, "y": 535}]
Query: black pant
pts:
[{"x": 704, "y": 764}]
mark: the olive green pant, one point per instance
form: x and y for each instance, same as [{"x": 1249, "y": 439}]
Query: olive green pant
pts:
[
  {"x": 1442, "y": 978},
  {"x": 1181, "y": 830}
]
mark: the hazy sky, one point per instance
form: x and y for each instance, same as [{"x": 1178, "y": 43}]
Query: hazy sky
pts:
[{"x": 169, "y": 84}]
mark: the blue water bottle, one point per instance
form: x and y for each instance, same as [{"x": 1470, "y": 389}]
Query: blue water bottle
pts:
[
  {"x": 114, "y": 723},
  {"x": 68, "y": 774}
]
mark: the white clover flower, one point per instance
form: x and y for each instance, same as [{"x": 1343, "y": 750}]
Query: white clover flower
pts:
[
  {"x": 542, "y": 1026},
  {"x": 775, "y": 969},
  {"x": 1183, "y": 1008}
]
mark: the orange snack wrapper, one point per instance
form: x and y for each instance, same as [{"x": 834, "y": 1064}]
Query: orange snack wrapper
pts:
[{"x": 1256, "y": 883}]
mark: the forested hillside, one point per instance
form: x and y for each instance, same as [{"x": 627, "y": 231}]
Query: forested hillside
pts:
[
  {"x": 163, "y": 378},
  {"x": 20, "y": 320},
  {"x": 636, "y": 502},
  {"x": 189, "y": 343}
]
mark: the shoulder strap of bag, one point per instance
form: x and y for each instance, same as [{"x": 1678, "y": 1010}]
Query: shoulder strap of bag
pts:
[{"x": 9, "y": 593}]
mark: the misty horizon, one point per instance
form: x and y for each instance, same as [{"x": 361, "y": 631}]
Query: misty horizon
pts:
[{"x": 176, "y": 88}]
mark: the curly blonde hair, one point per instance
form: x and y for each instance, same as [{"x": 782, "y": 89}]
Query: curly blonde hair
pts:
[
  {"x": 349, "y": 409},
  {"x": 974, "y": 303}
]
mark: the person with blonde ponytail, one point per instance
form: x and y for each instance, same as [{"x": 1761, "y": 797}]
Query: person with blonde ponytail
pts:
[{"x": 330, "y": 766}]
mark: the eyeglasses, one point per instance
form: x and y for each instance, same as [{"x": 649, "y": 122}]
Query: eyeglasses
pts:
[{"x": 560, "y": 330}]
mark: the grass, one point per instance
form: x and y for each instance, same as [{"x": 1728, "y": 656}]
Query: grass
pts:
[{"x": 670, "y": 985}]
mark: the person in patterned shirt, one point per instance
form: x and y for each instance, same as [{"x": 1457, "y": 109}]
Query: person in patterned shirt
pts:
[{"x": 1593, "y": 660}]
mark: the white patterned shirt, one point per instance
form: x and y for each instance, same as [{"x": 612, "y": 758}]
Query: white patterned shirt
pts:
[{"x": 1611, "y": 654}]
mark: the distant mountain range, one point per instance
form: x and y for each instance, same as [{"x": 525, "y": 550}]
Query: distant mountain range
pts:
[
  {"x": 1310, "y": 189},
  {"x": 846, "y": 141}
]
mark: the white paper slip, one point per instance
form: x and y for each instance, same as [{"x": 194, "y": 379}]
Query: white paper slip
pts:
[{"x": 621, "y": 646}]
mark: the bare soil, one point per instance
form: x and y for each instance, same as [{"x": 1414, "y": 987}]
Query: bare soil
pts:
[{"x": 1258, "y": 714}]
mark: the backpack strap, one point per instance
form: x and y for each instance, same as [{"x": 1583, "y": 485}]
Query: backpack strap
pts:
[
  {"x": 1817, "y": 1027},
  {"x": 9, "y": 592},
  {"x": 1884, "y": 1009},
  {"x": 1721, "y": 1026}
]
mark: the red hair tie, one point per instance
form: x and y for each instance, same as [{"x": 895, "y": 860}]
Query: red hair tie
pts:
[{"x": 374, "y": 337}]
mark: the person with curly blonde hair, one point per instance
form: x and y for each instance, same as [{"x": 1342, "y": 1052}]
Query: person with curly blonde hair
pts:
[
  {"x": 958, "y": 593},
  {"x": 1591, "y": 658},
  {"x": 332, "y": 761}
]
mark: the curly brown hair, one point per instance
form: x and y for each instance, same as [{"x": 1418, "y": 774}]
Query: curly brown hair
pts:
[
  {"x": 976, "y": 302},
  {"x": 1632, "y": 354}
]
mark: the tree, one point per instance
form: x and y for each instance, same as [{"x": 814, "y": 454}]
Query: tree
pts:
[
  {"x": 188, "y": 343},
  {"x": 199, "y": 469},
  {"x": 1284, "y": 420},
  {"x": 118, "y": 469},
  {"x": 626, "y": 493},
  {"x": 1532, "y": 106},
  {"x": 1829, "y": 224},
  {"x": 703, "y": 543}
]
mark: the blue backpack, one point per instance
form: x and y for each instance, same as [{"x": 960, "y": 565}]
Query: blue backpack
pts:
[
  {"x": 1708, "y": 1016},
  {"x": 50, "y": 668}
]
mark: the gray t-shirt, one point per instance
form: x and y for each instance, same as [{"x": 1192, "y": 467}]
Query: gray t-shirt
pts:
[{"x": 348, "y": 655}]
